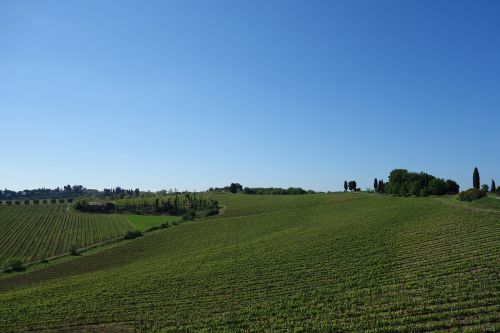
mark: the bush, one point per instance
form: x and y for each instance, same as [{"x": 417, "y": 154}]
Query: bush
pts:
[
  {"x": 44, "y": 201},
  {"x": 73, "y": 250},
  {"x": 497, "y": 191},
  {"x": 131, "y": 234},
  {"x": 8, "y": 202},
  {"x": 26, "y": 202},
  {"x": 36, "y": 202},
  {"x": 13, "y": 265},
  {"x": 17, "y": 202},
  {"x": 188, "y": 216},
  {"x": 61, "y": 200},
  {"x": 471, "y": 195},
  {"x": 53, "y": 201}
]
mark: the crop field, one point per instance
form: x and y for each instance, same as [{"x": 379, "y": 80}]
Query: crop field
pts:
[
  {"x": 329, "y": 262},
  {"x": 145, "y": 222},
  {"x": 33, "y": 230}
]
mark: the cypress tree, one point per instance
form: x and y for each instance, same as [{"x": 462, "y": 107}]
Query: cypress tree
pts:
[
  {"x": 475, "y": 179},
  {"x": 493, "y": 186},
  {"x": 375, "y": 184},
  {"x": 381, "y": 186},
  {"x": 345, "y": 185}
]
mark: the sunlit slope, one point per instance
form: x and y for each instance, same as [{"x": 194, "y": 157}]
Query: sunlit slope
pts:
[{"x": 341, "y": 262}]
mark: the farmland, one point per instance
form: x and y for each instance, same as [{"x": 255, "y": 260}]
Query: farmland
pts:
[
  {"x": 339, "y": 262},
  {"x": 30, "y": 231}
]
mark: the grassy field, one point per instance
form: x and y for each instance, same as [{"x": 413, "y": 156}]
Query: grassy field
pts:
[
  {"x": 48, "y": 229},
  {"x": 145, "y": 222},
  {"x": 339, "y": 262}
]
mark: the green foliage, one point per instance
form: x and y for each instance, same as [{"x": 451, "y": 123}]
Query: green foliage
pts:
[
  {"x": 475, "y": 179},
  {"x": 13, "y": 265},
  {"x": 318, "y": 263},
  {"x": 404, "y": 183},
  {"x": 132, "y": 234},
  {"x": 493, "y": 186},
  {"x": 276, "y": 191},
  {"x": 235, "y": 187},
  {"x": 497, "y": 191},
  {"x": 73, "y": 249},
  {"x": 472, "y": 194}
]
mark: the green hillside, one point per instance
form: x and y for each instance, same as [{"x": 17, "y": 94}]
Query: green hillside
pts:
[
  {"x": 339, "y": 262},
  {"x": 48, "y": 229}
]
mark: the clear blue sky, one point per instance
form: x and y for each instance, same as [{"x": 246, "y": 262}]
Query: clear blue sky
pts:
[{"x": 192, "y": 94}]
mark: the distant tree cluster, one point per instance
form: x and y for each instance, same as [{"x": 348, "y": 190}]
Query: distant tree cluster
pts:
[
  {"x": 276, "y": 190},
  {"x": 190, "y": 205},
  {"x": 378, "y": 185},
  {"x": 351, "y": 186},
  {"x": 237, "y": 188},
  {"x": 403, "y": 183},
  {"x": 233, "y": 188},
  {"x": 67, "y": 191},
  {"x": 477, "y": 191},
  {"x": 119, "y": 192}
]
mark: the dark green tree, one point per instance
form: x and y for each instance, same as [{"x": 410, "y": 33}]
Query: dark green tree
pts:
[
  {"x": 375, "y": 184},
  {"x": 475, "y": 179},
  {"x": 345, "y": 185},
  {"x": 380, "y": 186},
  {"x": 493, "y": 186}
]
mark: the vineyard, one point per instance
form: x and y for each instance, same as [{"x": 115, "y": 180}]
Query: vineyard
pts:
[
  {"x": 29, "y": 232},
  {"x": 339, "y": 262}
]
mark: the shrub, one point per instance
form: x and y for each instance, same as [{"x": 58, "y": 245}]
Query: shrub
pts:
[
  {"x": 44, "y": 201},
  {"x": 8, "y": 202},
  {"x": 497, "y": 191},
  {"x": 17, "y": 202},
  {"x": 36, "y": 202},
  {"x": 26, "y": 202},
  {"x": 188, "y": 216},
  {"x": 471, "y": 195},
  {"x": 13, "y": 265},
  {"x": 53, "y": 201},
  {"x": 61, "y": 200},
  {"x": 73, "y": 250},
  {"x": 131, "y": 234}
]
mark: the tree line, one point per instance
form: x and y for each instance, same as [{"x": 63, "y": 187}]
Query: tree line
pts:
[
  {"x": 238, "y": 188},
  {"x": 403, "y": 183},
  {"x": 190, "y": 206},
  {"x": 67, "y": 192}
]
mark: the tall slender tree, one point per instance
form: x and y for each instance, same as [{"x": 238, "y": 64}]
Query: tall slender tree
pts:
[
  {"x": 345, "y": 185},
  {"x": 493, "y": 186},
  {"x": 375, "y": 184},
  {"x": 380, "y": 186},
  {"x": 475, "y": 179}
]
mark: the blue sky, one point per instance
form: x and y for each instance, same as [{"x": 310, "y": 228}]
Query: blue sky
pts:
[{"x": 193, "y": 94}]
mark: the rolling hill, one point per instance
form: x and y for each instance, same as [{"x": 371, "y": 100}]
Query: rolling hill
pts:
[{"x": 327, "y": 262}]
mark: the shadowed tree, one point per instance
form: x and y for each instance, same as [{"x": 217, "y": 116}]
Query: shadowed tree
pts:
[
  {"x": 345, "y": 185},
  {"x": 380, "y": 186},
  {"x": 375, "y": 184},
  {"x": 493, "y": 186},
  {"x": 475, "y": 179}
]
